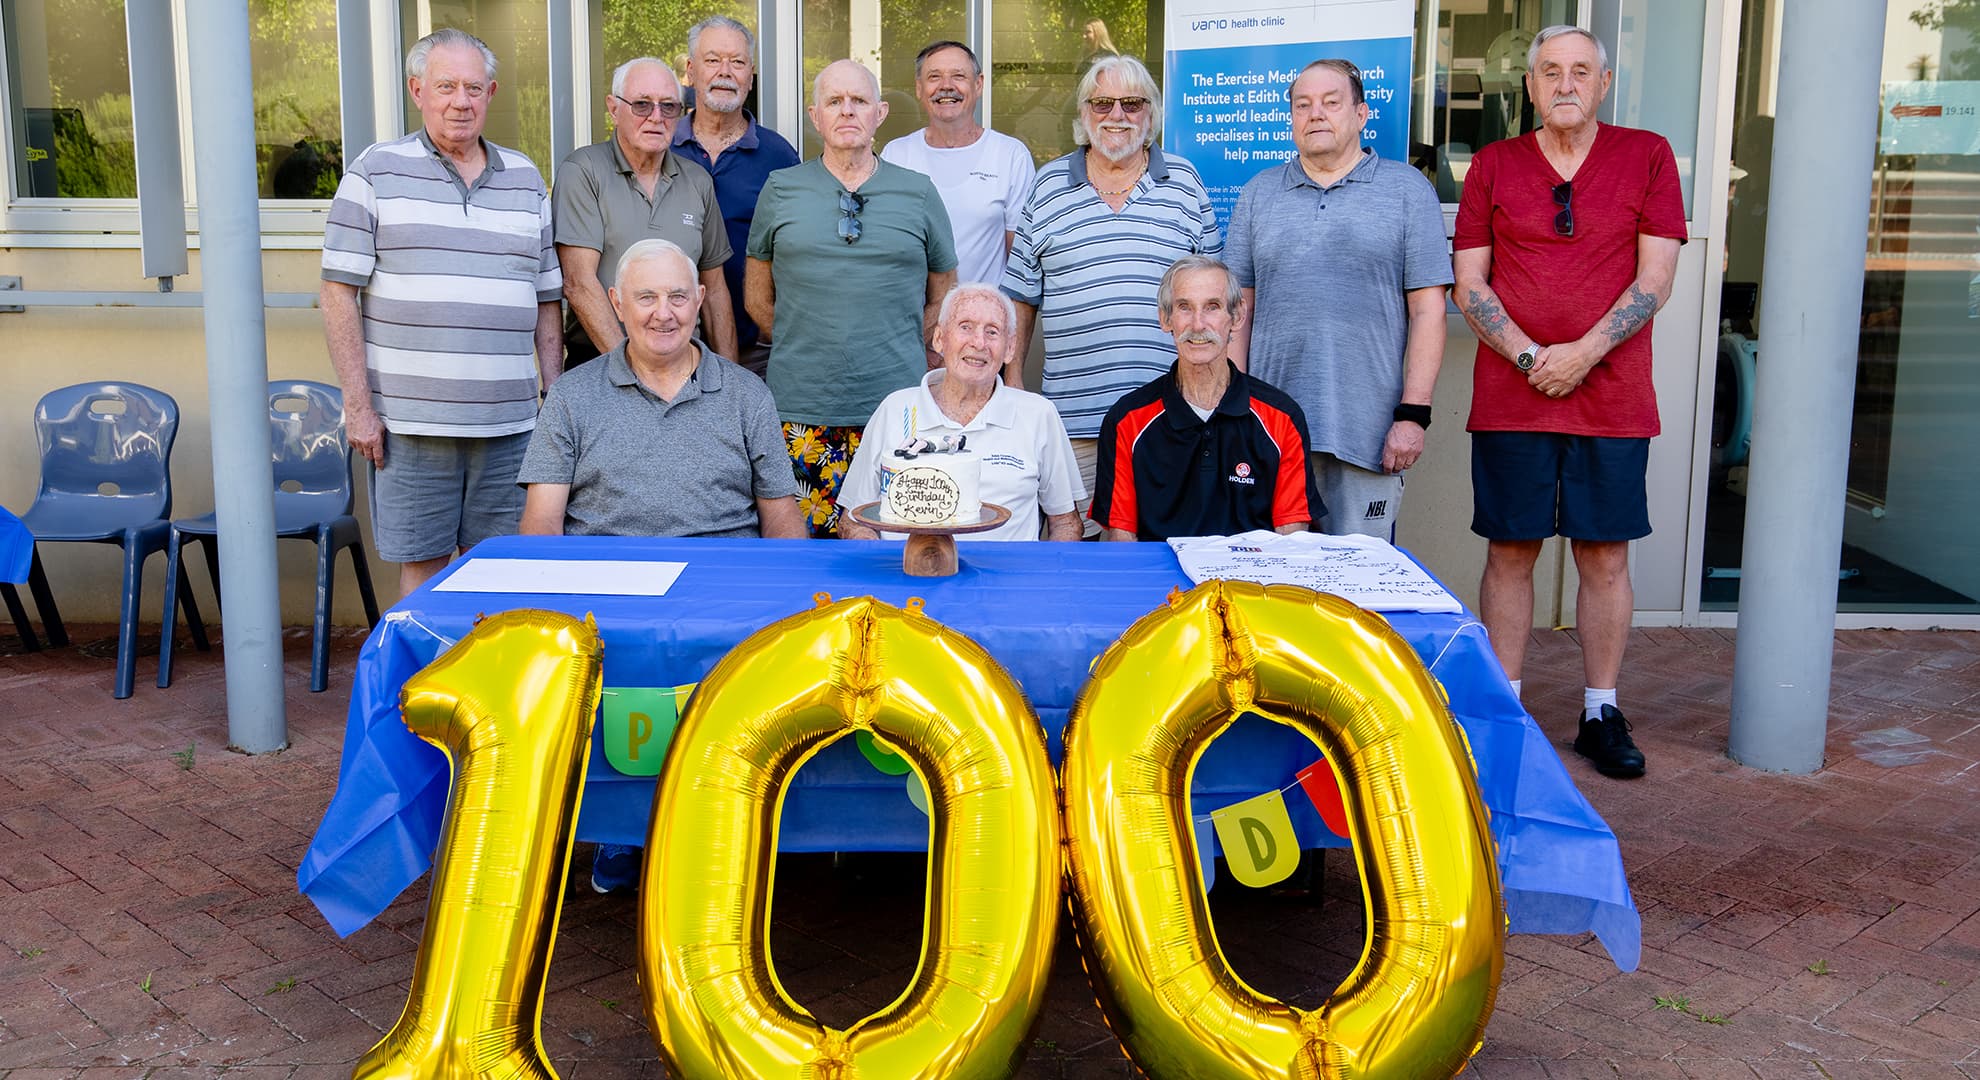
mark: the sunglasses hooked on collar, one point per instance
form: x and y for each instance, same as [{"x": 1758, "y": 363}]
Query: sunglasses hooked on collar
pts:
[
  {"x": 850, "y": 204},
  {"x": 1563, "y": 198}
]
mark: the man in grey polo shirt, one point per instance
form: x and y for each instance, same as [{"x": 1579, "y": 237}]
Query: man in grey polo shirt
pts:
[
  {"x": 1343, "y": 261},
  {"x": 613, "y": 194},
  {"x": 661, "y": 437},
  {"x": 439, "y": 283}
]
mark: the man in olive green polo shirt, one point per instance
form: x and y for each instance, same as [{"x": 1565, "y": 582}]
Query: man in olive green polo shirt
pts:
[{"x": 613, "y": 194}]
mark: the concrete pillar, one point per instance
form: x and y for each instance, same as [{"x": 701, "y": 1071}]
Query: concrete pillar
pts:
[
  {"x": 237, "y": 368},
  {"x": 1825, "y": 141}
]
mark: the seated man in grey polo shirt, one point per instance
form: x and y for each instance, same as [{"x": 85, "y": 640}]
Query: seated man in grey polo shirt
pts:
[{"x": 660, "y": 437}]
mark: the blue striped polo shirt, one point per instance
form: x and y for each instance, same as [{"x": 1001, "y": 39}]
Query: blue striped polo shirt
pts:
[
  {"x": 451, "y": 274},
  {"x": 1092, "y": 274}
]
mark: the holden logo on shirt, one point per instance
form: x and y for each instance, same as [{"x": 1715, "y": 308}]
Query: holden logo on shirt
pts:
[
  {"x": 1242, "y": 474},
  {"x": 687, "y": 220}
]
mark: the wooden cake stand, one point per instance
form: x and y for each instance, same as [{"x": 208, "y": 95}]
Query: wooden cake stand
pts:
[{"x": 931, "y": 549}]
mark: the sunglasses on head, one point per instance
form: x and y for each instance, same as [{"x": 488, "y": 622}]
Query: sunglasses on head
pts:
[
  {"x": 1563, "y": 198},
  {"x": 643, "y": 108},
  {"x": 850, "y": 204},
  {"x": 1132, "y": 106}
]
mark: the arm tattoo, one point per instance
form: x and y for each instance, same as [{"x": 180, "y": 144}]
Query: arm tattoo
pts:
[
  {"x": 1486, "y": 314},
  {"x": 1630, "y": 316}
]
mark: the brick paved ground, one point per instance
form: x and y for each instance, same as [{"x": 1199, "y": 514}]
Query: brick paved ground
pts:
[{"x": 150, "y": 921}]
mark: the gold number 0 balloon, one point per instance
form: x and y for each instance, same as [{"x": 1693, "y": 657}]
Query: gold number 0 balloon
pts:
[
  {"x": 940, "y": 701},
  {"x": 1416, "y": 1004},
  {"x": 511, "y": 705}
]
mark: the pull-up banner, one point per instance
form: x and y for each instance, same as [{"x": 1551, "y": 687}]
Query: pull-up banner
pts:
[{"x": 1230, "y": 68}]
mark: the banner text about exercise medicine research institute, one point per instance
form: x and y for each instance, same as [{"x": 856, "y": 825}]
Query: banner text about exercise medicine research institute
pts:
[{"x": 1225, "y": 90}]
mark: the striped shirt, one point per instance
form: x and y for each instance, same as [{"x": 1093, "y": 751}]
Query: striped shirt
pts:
[
  {"x": 1092, "y": 274},
  {"x": 451, "y": 274}
]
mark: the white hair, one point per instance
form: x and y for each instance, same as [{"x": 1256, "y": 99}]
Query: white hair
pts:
[
  {"x": 978, "y": 289},
  {"x": 452, "y": 37},
  {"x": 1124, "y": 69},
  {"x": 624, "y": 71},
  {"x": 1165, "y": 294},
  {"x": 1552, "y": 32},
  {"x": 653, "y": 249},
  {"x": 818, "y": 80},
  {"x": 720, "y": 22}
]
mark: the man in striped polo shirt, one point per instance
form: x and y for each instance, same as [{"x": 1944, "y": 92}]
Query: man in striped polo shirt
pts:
[
  {"x": 441, "y": 302},
  {"x": 1101, "y": 226}
]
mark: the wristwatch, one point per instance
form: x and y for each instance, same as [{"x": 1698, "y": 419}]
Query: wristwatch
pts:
[{"x": 1524, "y": 361}]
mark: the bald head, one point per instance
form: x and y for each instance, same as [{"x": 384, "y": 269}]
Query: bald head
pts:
[{"x": 839, "y": 70}]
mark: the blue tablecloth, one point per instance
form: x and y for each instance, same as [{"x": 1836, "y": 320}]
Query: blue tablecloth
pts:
[
  {"x": 16, "y": 548},
  {"x": 1043, "y": 610}
]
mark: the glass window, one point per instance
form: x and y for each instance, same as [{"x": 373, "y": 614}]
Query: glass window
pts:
[
  {"x": 1658, "y": 64},
  {"x": 519, "y": 33},
  {"x": 1471, "y": 79},
  {"x": 1041, "y": 50},
  {"x": 633, "y": 28},
  {"x": 297, "y": 126},
  {"x": 884, "y": 35},
  {"x": 70, "y": 94},
  {"x": 1913, "y": 498}
]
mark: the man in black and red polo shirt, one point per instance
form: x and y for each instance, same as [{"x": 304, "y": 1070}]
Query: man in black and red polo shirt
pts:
[{"x": 1204, "y": 450}]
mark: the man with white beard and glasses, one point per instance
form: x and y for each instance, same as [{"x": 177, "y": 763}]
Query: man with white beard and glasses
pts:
[
  {"x": 721, "y": 136},
  {"x": 1101, "y": 227}
]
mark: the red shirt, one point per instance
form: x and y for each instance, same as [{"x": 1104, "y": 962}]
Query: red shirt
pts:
[{"x": 1557, "y": 287}]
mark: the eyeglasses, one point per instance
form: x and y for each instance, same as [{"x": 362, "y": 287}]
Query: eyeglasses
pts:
[
  {"x": 850, "y": 204},
  {"x": 1101, "y": 106},
  {"x": 1564, "y": 221},
  {"x": 642, "y": 108}
]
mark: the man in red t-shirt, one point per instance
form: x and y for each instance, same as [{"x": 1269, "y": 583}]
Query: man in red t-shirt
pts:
[{"x": 1567, "y": 241}]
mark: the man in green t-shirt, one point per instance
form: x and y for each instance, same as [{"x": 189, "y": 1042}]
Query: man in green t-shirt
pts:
[{"x": 849, "y": 257}]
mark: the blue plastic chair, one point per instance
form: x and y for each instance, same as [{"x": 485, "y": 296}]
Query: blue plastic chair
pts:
[
  {"x": 313, "y": 500},
  {"x": 106, "y": 478}
]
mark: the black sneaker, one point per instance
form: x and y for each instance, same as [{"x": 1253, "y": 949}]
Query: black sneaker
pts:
[{"x": 1606, "y": 742}]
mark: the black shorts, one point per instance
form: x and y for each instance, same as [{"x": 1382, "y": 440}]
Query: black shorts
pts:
[{"x": 1530, "y": 485}]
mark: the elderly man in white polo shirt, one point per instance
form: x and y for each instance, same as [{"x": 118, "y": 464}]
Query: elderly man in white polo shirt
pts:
[{"x": 1028, "y": 465}]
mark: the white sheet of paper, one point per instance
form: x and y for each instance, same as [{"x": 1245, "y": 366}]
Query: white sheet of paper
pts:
[
  {"x": 589, "y": 577},
  {"x": 1369, "y": 571}
]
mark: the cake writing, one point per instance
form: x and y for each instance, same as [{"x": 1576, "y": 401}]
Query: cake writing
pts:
[{"x": 922, "y": 496}]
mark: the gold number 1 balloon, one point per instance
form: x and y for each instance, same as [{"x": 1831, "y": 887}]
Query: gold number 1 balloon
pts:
[
  {"x": 940, "y": 701},
  {"x": 1415, "y": 1006},
  {"x": 511, "y": 706}
]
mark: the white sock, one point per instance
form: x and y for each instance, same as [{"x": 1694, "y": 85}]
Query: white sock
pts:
[
  {"x": 1515, "y": 686},
  {"x": 1592, "y": 701}
]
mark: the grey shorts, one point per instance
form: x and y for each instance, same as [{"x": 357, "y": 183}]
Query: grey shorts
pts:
[
  {"x": 1357, "y": 501},
  {"x": 438, "y": 494}
]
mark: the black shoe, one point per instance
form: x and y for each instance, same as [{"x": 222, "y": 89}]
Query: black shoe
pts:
[{"x": 1606, "y": 742}]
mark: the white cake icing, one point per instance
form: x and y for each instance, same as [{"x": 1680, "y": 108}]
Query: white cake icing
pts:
[{"x": 931, "y": 488}]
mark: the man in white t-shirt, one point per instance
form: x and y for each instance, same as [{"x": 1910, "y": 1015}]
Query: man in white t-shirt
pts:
[{"x": 983, "y": 175}]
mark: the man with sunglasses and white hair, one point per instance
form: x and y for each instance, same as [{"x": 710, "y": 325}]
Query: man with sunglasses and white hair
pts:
[
  {"x": 1342, "y": 257},
  {"x": 849, "y": 258},
  {"x": 612, "y": 194},
  {"x": 1567, "y": 241},
  {"x": 1101, "y": 226}
]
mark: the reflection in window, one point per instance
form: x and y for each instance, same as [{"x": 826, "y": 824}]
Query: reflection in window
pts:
[
  {"x": 519, "y": 33},
  {"x": 1470, "y": 84},
  {"x": 70, "y": 92},
  {"x": 297, "y": 127},
  {"x": 634, "y": 28},
  {"x": 1043, "y": 48},
  {"x": 884, "y": 35}
]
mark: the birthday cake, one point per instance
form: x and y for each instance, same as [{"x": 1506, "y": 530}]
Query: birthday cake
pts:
[{"x": 931, "y": 483}]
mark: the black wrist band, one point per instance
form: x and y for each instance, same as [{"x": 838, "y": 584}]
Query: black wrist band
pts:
[{"x": 1415, "y": 414}]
